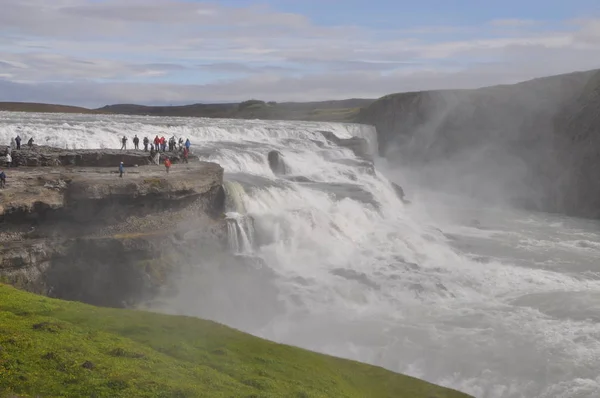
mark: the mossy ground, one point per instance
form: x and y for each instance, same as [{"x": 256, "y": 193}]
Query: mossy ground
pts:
[{"x": 55, "y": 348}]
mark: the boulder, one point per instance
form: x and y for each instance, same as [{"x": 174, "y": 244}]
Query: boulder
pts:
[
  {"x": 276, "y": 162},
  {"x": 400, "y": 192}
]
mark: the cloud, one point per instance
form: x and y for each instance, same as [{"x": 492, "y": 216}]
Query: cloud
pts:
[
  {"x": 86, "y": 52},
  {"x": 513, "y": 22}
]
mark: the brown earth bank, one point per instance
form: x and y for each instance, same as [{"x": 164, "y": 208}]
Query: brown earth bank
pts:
[
  {"x": 70, "y": 228},
  {"x": 534, "y": 144}
]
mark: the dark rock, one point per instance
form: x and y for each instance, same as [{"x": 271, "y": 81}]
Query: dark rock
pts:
[
  {"x": 50, "y": 356},
  {"x": 358, "y": 145},
  {"x": 276, "y": 162},
  {"x": 88, "y": 365},
  {"x": 399, "y": 192},
  {"x": 51, "y": 327},
  {"x": 363, "y": 165},
  {"x": 355, "y": 276},
  {"x": 298, "y": 179}
]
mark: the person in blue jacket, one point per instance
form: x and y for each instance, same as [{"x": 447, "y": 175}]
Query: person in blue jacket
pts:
[
  {"x": 187, "y": 144},
  {"x": 121, "y": 169},
  {"x": 2, "y": 179}
]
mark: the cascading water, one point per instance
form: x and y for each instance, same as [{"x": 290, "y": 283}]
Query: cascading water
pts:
[
  {"x": 499, "y": 308},
  {"x": 240, "y": 228}
]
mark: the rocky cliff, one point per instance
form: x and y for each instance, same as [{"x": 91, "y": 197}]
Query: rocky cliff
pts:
[
  {"x": 75, "y": 230},
  {"x": 511, "y": 143}
]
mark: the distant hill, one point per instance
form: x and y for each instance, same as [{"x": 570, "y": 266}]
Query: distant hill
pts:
[
  {"x": 332, "y": 111},
  {"x": 340, "y": 110},
  {"x": 51, "y": 108}
]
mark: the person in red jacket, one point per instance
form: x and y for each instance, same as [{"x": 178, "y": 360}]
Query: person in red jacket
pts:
[
  {"x": 167, "y": 164},
  {"x": 157, "y": 143}
]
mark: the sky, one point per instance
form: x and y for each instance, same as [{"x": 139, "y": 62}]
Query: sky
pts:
[{"x": 97, "y": 52}]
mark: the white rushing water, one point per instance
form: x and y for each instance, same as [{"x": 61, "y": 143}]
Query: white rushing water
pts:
[{"x": 493, "y": 302}]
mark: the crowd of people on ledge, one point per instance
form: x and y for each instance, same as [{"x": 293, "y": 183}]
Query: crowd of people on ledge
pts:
[
  {"x": 15, "y": 144},
  {"x": 155, "y": 147},
  {"x": 159, "y": 144}
]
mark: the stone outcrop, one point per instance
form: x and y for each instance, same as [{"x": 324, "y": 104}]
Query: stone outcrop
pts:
[
  {"x": 400, "y": 193},
  {"x": 358, "y": 145},
  {"x": 529, "y": 144},
  {"x": 276, "y": 162},
  {"x": 83, "y": 233}
]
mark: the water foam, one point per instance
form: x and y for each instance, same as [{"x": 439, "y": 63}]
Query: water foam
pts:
[{"x": 374, "y": 281}]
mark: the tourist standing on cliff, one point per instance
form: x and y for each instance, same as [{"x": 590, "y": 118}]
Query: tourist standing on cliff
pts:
[
  {"x": 124, "y": 143},
  {"x": 136, "y": 142},
  {"x": 146, "y": 142},
  {"x": 18, "y": 141},
  {"x": 13, "y": 143},
  {"x": 187, "y": 143},
  {"x": 30, "y": 143},
  {"x": 8, "y": 159},
  {"x": 167, "y": 164},
  {"x": 2, "y": 179},
  {"x": 121, "y": 169},
  {"x": 186, "y": 152}
]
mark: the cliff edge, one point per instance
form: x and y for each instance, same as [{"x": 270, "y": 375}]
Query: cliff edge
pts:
[
  {"x": 512, "y": 143},
  {"x": 80, "y": 232}
]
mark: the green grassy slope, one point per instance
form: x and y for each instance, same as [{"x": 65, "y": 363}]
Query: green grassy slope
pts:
[{"x": 55, "y": 348}]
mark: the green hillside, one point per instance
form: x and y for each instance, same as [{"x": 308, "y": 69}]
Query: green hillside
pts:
[{"x": 54, "y": 348}]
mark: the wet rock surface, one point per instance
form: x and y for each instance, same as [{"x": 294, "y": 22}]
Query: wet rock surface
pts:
[{"x": 276, "y": 162}]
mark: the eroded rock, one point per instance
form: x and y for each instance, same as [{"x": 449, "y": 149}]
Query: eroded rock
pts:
[{"x": 276, "y": 162}]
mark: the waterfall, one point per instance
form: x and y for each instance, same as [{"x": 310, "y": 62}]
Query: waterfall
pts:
[
  {"x": 501, "y": 308},
  {"x": 240, "y": 233}
]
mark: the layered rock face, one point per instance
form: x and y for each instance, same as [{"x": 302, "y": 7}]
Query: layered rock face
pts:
[
  {"x": 511, "y": 143},
  {"x": 83, "y": 233}
]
